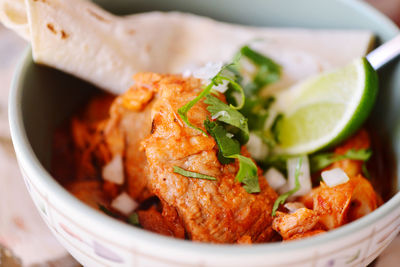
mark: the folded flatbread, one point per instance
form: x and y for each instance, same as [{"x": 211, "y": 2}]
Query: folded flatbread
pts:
[{"x": 80, "y": 38}]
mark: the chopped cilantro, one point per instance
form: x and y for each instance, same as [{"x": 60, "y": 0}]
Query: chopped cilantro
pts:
[
  {"x": 247, "y": 174},
  {"x": 134, "y": 219},
  {"x": 107, "y": 211},
  {"x": 256, "y": 107},
  {"x": 230, "y": 76},
  {"x": 229, "y": 116},
  {"x": 276, "y": 161},
  {"x": 227, "y": 73},
  {"x": 365, "y": 171},
  {"x": 255, "y": 110},
  {"x": 230, "y": 128},
  {"x": 282, "y": 198},
  {"x": 260, "y": 59},
  {"x": 182, "y": 111},
  {"x": 323, "y": 160},
  {"x": 193, "y": 174},
  {"x": 229, "y": 148},
  {"x": 268, "y": 72},
  {"x": 226, "y": 145}
]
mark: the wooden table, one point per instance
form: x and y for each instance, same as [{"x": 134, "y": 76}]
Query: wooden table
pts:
[{"x": 21, "y": 228}]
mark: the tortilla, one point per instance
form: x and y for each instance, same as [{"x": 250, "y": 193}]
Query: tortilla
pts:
[
  {"x": 80, "y": 38},
  {"x": 13, "y": 15}
]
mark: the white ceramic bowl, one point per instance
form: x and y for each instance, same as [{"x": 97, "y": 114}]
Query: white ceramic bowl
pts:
[{"x": 41, "y": 98}]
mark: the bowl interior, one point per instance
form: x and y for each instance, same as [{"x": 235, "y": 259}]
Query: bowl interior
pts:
[
  {"x": 45, "y": 97},
  {"x": 50, "y": 96}
]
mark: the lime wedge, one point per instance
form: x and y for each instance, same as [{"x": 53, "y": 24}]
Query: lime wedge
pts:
[{"x": 325, "y": 109}]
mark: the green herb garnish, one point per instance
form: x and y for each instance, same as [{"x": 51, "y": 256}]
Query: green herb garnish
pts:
[
  {"x": 256, "y": 111},
  {"x": 276, "y": 161},
  {"x": 256, "y": 107},
  {"x": 365, "y": 171},
  {"x": 282, "y": 198},
  {"x": 229, "y": 148},
  {"x": 224, "y": 113},
  {"x": 182, "y": 111},
  {"x": 134, "y": 219},
  {"x": 230, "y": 74},
  {"x": 230, "y": 128},
  {"x": 107, "y": 211},
  {"x": 323, "y": 160},
  {"x": 193, "y": 174},
  {"x": 260, "y": 59},
  {"x": 268, "y": 70},
  {"x": 226, "y": 145},
  {"x": 247, "y": 174},
  {"x": 226, "y": 73}
]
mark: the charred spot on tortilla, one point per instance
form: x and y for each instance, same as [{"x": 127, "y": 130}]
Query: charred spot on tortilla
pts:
[
  {"x": 131, "y": 31},
  {"x": 64, "y": 35},
  {"x": 51, "y": 28}
]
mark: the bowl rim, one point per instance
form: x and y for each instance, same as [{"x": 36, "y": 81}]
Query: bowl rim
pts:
[{"x": 31, "y": 165}]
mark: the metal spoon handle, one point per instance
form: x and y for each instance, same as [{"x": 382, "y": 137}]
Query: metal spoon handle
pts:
[{"x": 385, "y": 53}]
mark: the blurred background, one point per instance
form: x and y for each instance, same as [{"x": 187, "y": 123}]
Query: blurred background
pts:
[{"x": 24, "y": 238}]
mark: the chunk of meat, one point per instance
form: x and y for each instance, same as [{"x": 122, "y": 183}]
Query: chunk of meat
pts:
[
  {"x": 342, "y": 203},
  {"x": 128, "y": 124},
  {"x": 111, "y": 189},
  {"x": 106, "y": 127},
  {"x": 364, "y": 200},
  {"x": 122, "y": 135},
  {"x": 89, "y": 192},
  {"x": 357, "y": 142},
  {"x": 245, "y": 240},
  {"x": 166, "y": 223},
  {"x": 88, "y": 149},
  {"x": 212, "y": 211},
  {"x": 173, "y": 220},
  {"x": 298, "y": 223},
  {"x": 336, "y": 206},
  {"x": 349, "y": 201},
  {"x": 332, "y": 204},
  {"x": 332, "y": 207}
]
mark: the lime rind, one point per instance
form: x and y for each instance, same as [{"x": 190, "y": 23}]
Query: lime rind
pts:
[{"x": 363, "y": 110}]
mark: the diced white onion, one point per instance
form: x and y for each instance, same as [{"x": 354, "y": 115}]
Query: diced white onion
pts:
[
  {"x": 114, "y": 170},
  {"x": 124, "y": 204},
  {"x": 219, "y": 114},
  {"x": 229, "y": 135},
  {"x": 275, "y": 178},
  {"x": 186, "y": 73},
  {"x": 293, "y": 206},
  {"x": 334, "y": 177},
  {"x": 304, "y": 176},
  {"x": 257, "y": 149},
  {"x": 208, "y": 71}
]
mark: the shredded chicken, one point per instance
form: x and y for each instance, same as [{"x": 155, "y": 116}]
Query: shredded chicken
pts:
[
  {"x": 301, "y": 221},
  {"x": 331, "y": 207},
  {"x": 165, "y": 223}
]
